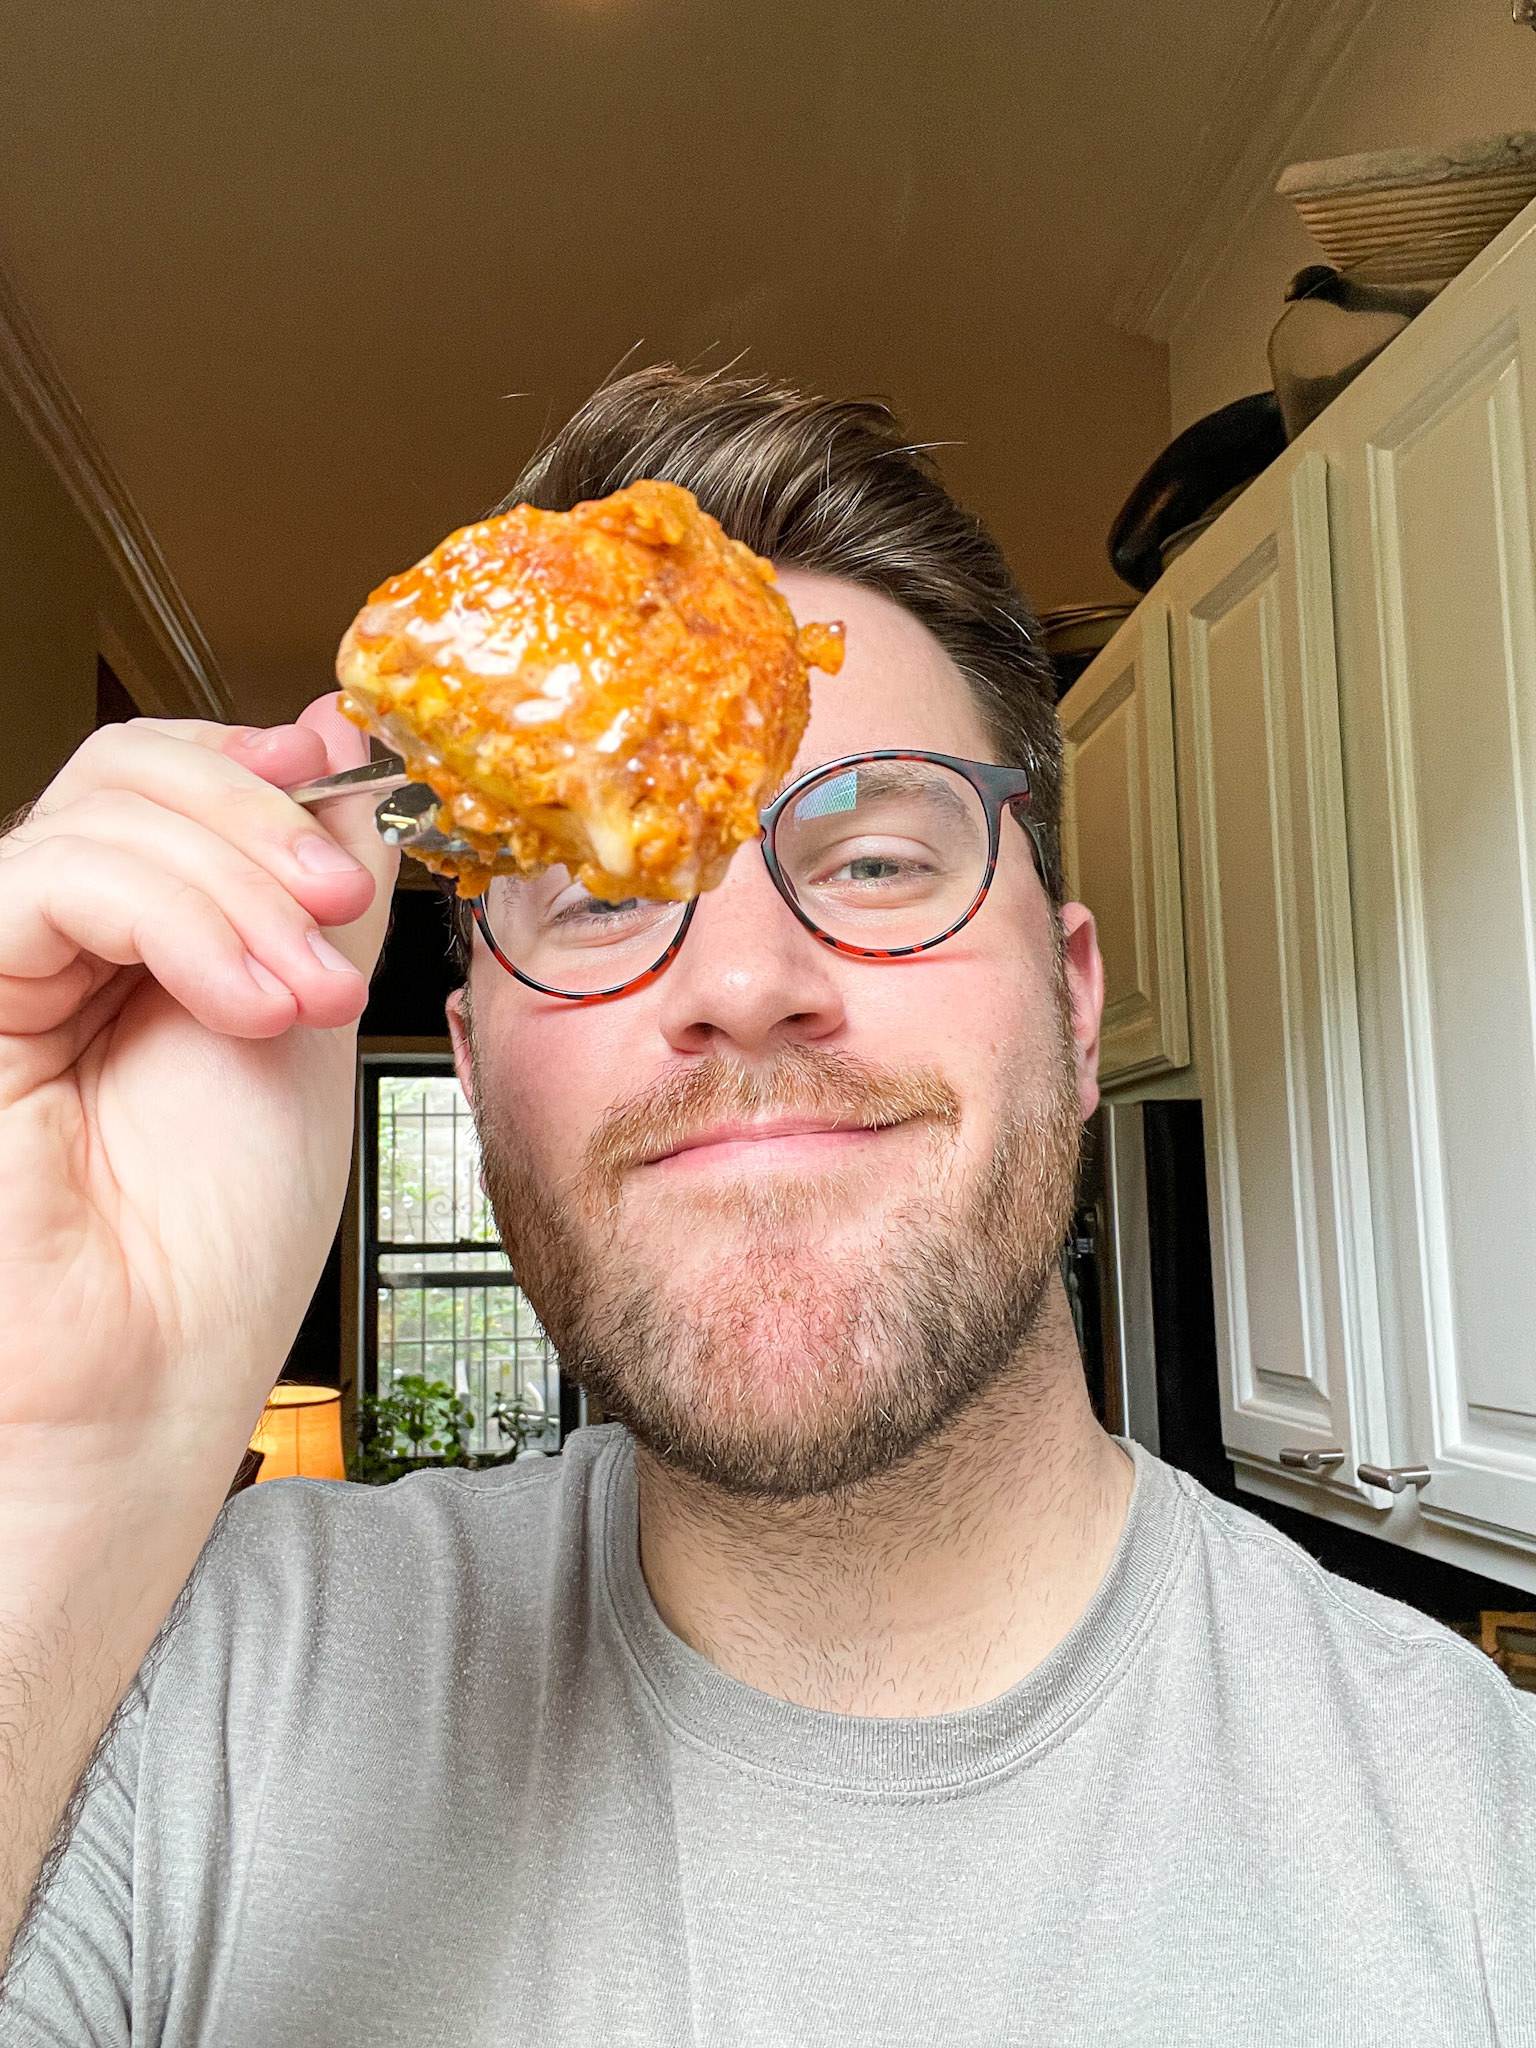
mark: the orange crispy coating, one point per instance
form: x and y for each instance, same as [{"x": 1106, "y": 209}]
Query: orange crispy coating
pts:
[{"x": 618, "y": 688}]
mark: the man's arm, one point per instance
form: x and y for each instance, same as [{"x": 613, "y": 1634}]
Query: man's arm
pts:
[{"x": 182, "y": 962}]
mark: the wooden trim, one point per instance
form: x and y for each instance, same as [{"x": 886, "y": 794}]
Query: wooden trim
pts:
[
  {"x": 1235, "y": 163},
  {"x": 31, "y": 380}
]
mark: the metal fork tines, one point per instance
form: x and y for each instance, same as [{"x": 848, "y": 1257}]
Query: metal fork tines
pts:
[
  {"x": 407, "y": 817},
  {"x": 409, "y": 820}
]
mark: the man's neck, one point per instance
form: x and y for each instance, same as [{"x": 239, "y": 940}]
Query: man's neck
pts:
[{"x": 924, "y": 1590}]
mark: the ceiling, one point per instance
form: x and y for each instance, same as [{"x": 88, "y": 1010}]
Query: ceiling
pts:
[{"x": 320, "y": 277}]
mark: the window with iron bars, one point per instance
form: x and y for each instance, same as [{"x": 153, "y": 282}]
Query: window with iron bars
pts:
[{"x": 440, "y": 1298}]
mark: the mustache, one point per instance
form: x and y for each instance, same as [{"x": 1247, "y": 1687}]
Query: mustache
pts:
[{"x": 801, "y": 1080}]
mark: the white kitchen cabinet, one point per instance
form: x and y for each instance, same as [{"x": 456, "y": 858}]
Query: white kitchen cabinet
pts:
[
  {"x": 1120, "y": 844},
  {"x": 1273, "y": 990},
  {"x": 1354, "y": 685},
  {"x": 1436, "y": 483}
]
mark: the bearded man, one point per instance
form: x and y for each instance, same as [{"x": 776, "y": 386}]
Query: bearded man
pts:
[{"x": 851, "y": 1685}]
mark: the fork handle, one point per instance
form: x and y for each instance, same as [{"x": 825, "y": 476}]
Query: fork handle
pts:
[{"x": 381, "y": 776}]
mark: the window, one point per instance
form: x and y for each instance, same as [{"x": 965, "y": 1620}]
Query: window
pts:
[{"x": 439, "y": 1295}]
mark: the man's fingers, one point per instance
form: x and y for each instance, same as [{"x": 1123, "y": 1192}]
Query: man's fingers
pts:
[
  {"x": 237, "y": 866},
  {"x": 178, "y": 766},
  {"x": 346, "y": 745},
  {"x": 248, "y": 975},
  {"x": 319, "y": 742},
  {"x": 63, "y": 898},
  {"x": 33, "y": 1003},
  {"x": 349, "y": 820},
  {"x": 228, "y": 783},
  {"x": 280, "y": 754},
  {"x": 271, "y": 897},
  {"x": 195, "y": 783}
]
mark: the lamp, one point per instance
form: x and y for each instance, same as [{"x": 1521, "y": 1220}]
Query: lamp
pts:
[{"x": 299, "y": 1434}]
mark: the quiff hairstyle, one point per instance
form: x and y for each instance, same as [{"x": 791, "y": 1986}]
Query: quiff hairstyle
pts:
[{"x": 830, "y": 484}]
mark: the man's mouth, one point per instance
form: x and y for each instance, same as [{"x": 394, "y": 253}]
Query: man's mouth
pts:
[
  {"x": 810, "y": 1113},
  {"x": 772, "y": 1143}
]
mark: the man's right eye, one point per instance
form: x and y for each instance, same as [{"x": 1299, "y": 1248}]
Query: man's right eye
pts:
[{"x": 592, "y": 910}]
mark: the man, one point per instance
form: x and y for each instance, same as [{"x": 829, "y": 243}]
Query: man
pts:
[{"x": 853, "y": 1687}]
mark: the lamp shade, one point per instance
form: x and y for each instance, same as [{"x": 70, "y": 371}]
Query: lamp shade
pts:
[{"x": 299, "y": 1435}]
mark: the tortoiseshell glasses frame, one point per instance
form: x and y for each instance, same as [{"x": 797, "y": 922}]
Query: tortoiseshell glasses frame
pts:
[{"x": 999, "y": 789}]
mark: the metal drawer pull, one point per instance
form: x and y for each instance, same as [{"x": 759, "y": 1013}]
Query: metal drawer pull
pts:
[
  {"x": 1395, "y": 1478},
  {"x": 1311, "y": 1461}
]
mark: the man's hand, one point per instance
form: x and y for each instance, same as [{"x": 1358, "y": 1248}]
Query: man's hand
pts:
[{"x": 183, "y": 958}]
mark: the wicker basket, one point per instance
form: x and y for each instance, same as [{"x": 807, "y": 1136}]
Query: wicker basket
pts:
[{"x": 1422, "y": 214}]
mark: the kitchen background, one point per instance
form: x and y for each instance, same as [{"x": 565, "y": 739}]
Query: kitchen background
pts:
[{"x": 285, "y": 293}]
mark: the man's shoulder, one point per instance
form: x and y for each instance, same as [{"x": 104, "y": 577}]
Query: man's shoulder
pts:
[
  {"x": 308, "y": 1559},
  {"x": 305, "y": 1523},
  {"x": 1320, "y": 1638},
  {"x": 323, "y": 1511}
]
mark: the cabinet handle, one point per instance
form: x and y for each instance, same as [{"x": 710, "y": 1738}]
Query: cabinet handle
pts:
[
  {"x": 1311, "y": 1461},
  {"x": 1394, "y": 1478}
]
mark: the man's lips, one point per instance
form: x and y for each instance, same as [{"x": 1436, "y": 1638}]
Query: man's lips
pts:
[{"x": 767, "y": 1141}]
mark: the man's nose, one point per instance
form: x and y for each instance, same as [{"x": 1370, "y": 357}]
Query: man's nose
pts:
[{"x": 749, "y": 976}]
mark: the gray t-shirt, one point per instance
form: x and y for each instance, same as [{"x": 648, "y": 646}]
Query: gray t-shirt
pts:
[{"x": 423, "y": 1765}]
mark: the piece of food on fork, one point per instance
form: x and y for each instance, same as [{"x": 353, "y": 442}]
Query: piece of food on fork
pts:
[{"x": 617, "y": 689}]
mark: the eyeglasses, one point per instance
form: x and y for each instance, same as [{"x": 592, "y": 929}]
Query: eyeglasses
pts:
[{"x": 879, "y": 855}]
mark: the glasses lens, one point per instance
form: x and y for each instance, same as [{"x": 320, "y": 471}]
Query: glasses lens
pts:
[
  {"x": 885, "y": 853},
  {"x": 564, "y": 939}
]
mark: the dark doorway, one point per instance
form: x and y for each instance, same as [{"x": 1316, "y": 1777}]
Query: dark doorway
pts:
[{"x": 114, "y": 706}]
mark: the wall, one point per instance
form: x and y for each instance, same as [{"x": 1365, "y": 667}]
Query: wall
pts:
[
  {"x": 61, "y": 604},
  {"x": 1416, "y": 72}
]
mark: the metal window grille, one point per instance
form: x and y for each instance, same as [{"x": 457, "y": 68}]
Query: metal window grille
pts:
[{"x": 440, "y": 1297}]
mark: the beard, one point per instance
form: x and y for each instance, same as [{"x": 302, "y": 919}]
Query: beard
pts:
[{"x": 821, "y": 1327}]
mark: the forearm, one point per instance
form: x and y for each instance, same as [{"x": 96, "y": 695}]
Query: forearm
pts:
[
  {"x": 84, "y": 1591},
  {"x": 176, "y": 1075}
]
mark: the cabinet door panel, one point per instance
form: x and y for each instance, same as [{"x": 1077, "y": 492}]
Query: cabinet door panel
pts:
[
  {"x": 1120, "y": 845},
  {"x": 1446, "y": 488},
  {"x": 1273, "y": 987}
]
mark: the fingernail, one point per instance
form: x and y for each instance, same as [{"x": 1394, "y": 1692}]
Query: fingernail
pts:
[
  {"x": 328, "y": 956},
  {"x": 318, "y": 855},
  {"x": 251, "y": 736},
  {"x": 264, "y": 978}
]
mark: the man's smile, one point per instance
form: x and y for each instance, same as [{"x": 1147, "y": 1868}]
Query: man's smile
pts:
[{"x": 771, "y": 1143}]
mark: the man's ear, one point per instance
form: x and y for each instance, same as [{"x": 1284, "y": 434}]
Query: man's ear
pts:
[
  {"x": 1083, "y": 965},
  {"x": 459, "y": 1032}
]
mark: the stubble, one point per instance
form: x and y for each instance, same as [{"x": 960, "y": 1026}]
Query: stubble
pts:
[{"x": 808, "y": 1357}]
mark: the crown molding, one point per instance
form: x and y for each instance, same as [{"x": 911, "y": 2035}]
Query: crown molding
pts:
[
  {"x": 1237, "y": 158},
  {"x": 31, "y": 380}
]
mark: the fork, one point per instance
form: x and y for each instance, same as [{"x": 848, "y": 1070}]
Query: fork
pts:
[
  {"x": 384, "y": 774},
  {"x": 404, "y": 819}
]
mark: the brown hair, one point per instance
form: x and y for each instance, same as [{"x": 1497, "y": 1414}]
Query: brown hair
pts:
[{"x": 832, "y": 485}]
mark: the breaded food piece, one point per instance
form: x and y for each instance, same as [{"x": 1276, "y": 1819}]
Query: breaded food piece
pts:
[{"x": 618, "y": 688}]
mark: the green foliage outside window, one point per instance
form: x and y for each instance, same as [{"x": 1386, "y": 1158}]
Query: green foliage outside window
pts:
[
  {"x": 421, "y": 1423},
  {"x": 465, "y": 1375}
]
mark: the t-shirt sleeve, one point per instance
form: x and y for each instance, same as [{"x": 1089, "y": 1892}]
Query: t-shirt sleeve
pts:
[{"x": 71, "y": 1982}]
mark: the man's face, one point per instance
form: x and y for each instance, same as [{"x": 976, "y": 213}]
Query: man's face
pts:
[{"x": 784, "y": 1211}]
